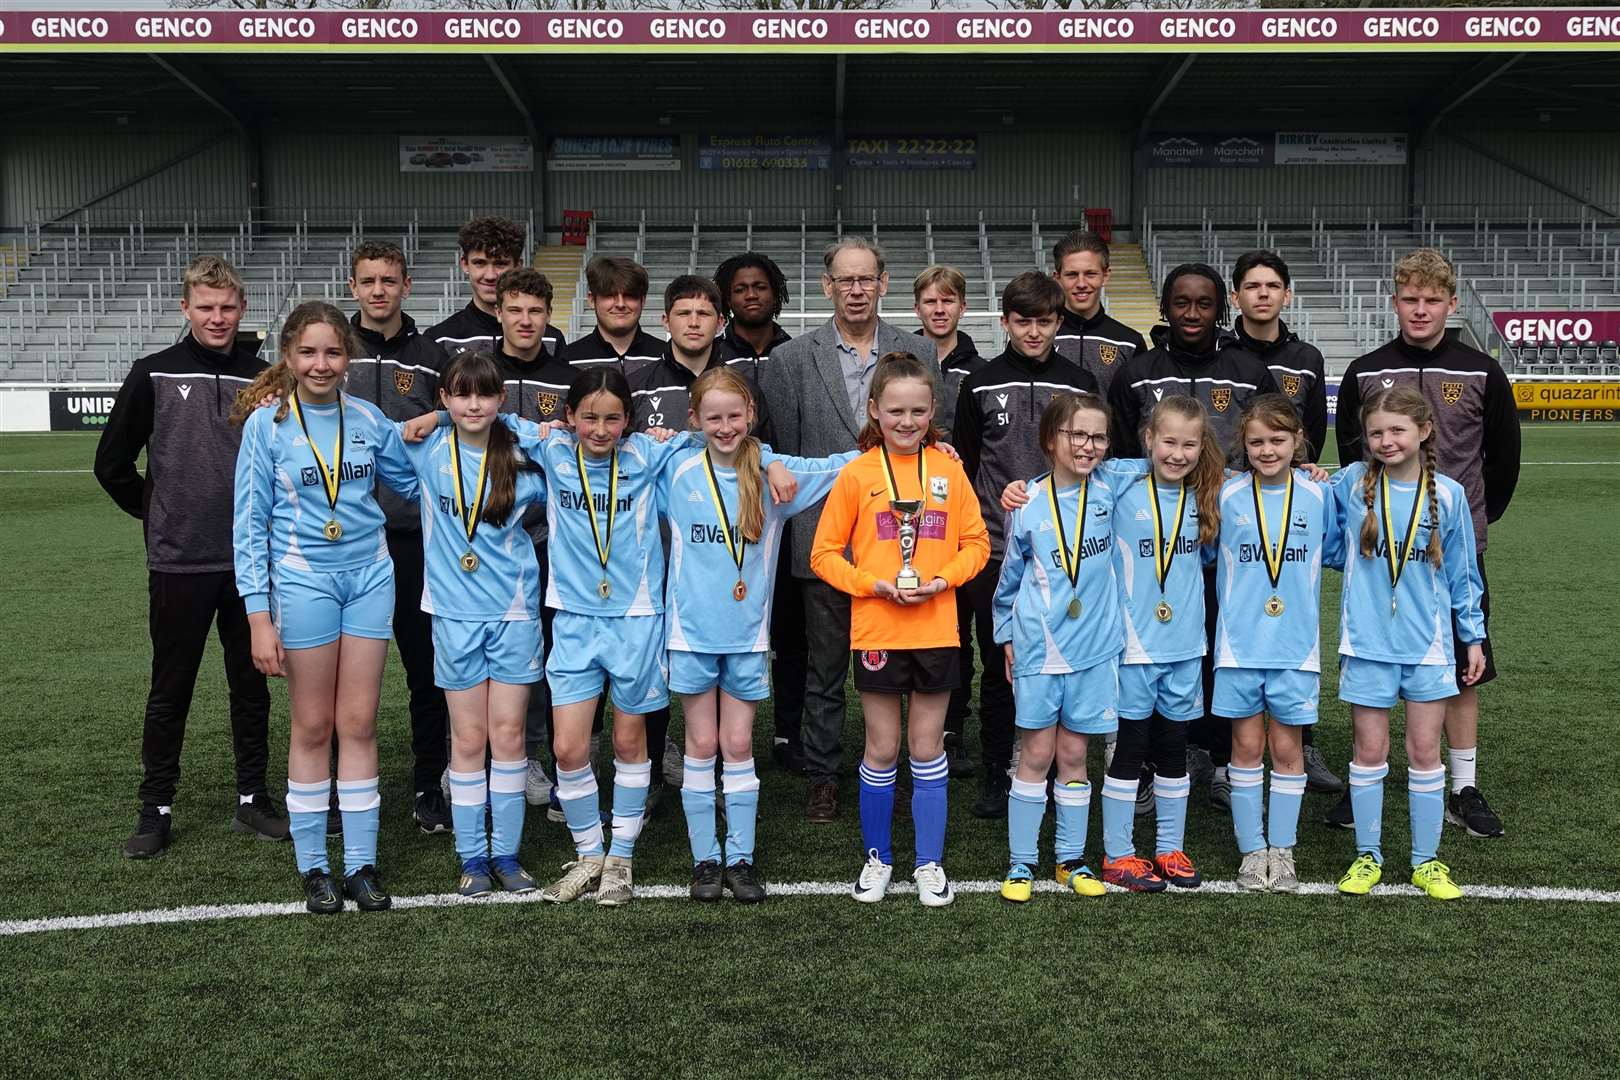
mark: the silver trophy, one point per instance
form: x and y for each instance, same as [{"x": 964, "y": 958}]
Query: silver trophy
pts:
[{"x": 905, "y": 512}]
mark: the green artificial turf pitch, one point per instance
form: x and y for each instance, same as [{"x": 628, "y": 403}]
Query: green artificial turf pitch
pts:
[{"x": 817, "y": 985}]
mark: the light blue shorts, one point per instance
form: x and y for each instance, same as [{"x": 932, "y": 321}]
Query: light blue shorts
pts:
[
  {"x": 1289, "y": 696},
  {"x": 744, "y": 676},
  {"x": 315, "y": 607},
  {"x": 1175, "y": 690},
  {"x": 1378, "y": 684},
  {"x": 626, "y": 651},
  {"x": 467, "y": 653},
  {"x": 1085, "y": 702}
]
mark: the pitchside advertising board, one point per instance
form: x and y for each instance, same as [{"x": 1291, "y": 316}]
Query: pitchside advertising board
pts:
[
  {"x": 1557, "y": 327},
  {"x": 1413, "y": 29}
]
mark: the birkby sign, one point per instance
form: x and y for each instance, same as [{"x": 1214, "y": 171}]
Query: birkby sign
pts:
[{"x": 1450, "y": 29}]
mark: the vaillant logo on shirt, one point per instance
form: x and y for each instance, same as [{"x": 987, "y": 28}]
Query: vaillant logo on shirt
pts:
[
  {"x": 349, "y": 471},
  {"x": 1095, "y": 545},
  {"x": 714, "y": 534},
  {"x": 1255, "y": 553},
  {"x": 1185, "y": 545},
  {"x": 573, "y": 500}
]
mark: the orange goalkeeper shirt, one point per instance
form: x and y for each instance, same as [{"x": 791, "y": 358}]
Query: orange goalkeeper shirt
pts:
[{"x": 952, "y": 543}]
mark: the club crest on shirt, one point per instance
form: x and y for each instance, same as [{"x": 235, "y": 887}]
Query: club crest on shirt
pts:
[
  {"x": 1220, "y": 397},
  {"x": 1108, "y": 353},
  {"x": 1451, "y": 392},
  {"x": 404, "y": 380},
  {"x": 1290, "y": 385},
  {"x": 939, "y": 487},
  {"x": 874, "y": 659},
  {"x": 307, "y": 476},
  {"x": 547, "y": 402}
]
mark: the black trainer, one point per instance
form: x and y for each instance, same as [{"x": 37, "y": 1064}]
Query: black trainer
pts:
[
  {"x": 789, "y": 756},
  {"x": 706, "y": 881},
  {"x": 320, "y": 895},
  {"x": 151, "y": 836},
  {"x": 260, "y": 818},
  {"x": 365, "y": 888},
  {"x": 334, "y": 815},
  {"x": 992, "y": 800},
  {"x": 1343, "y": 815},
  {"x": 1469, "y": 809},
  {"x": 956, "y": 758},
  {"x": 432, "y": 814},
  {"x": 744, "y": 884}
]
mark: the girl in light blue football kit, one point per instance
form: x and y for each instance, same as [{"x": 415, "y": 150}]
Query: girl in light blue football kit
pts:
[
  {"x": 1056, "y": 614},
  {"x": 725, "y": 539},
  {"x": 1160, "y": 525},
  {"x": 313, "y": 569},
  {"x": 482, "y": 588},
  {"x": 1278, "y": 529},
  {"x": 1410, "y": 574}
]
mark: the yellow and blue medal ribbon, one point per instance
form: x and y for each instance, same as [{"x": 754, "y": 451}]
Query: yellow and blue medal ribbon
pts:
[
  {"x": 469, "y": 521},
  {"x": 1397, "y": 554},
  {"x": 331, "y": 478},
  {"x": 737, "y": 547},
  {"x": 1164, "y": 555},
  {"x": 1071, "y": 559},
  {"x": 1274, "y": 560},
  {"x": 604, "y": 550}
]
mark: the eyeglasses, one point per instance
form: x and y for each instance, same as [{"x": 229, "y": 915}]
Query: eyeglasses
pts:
[
  {"x": 1085, "y": 438},
  {"x": 848, "y": 283}
]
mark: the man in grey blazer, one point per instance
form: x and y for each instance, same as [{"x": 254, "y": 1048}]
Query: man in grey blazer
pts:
[{"x": 815, "y": 387}]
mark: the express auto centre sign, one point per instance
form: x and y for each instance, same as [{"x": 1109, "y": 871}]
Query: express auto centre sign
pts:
[{"x": 1453, "y": 29}]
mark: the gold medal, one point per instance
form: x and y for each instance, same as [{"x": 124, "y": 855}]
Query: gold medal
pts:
[
  {"x": 469, "y": 515},
  {"x": 738, "y": 547},
  {"x": 331, "y": 478},
  {"x": 1164, "y": 553},
  {"x": 1070, "y": 559},
  {"x": 1396, "y": 553},
  {"x": 604, "y": 546},
  {"x": 1274, "y": 557}
]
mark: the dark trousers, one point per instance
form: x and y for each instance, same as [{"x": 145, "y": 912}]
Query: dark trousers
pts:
[
  {"x": 826, "y": 616},
  {"x": 1157, "y": 740},
  {"x": 1214, "y": 733},
  {"x": 962, "y": 697},
  {"x": 995, "y": 693},
  {"x": 413, "y": 633},
  {"x": 183, "y": 608},
  {"x": 791, "y": 648}
]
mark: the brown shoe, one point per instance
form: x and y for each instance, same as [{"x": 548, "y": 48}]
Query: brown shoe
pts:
[{"x": 823, "y": 806}]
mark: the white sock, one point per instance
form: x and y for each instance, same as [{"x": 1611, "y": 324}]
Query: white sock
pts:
[{"x": 1462, "y": 763}]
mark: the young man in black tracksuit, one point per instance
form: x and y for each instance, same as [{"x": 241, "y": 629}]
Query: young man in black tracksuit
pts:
[
  {"x": 752, "y": 292},
  {"x": 1476, "y": 424},
  {"x": 1262, "y": 289},
  {"x": 398, "y": 369},
  {"x": 1088, "y": 335},
  {"x": 1194, "y": 356},
  {"x": 175, "y": 405},
  {"x": 490, "y": 246},
  {"x": 661, "y": 392},
  {"x": 998, "y": 415},
  {"x": 939, "y": 296},
  {"x": 617, "y": 294}
]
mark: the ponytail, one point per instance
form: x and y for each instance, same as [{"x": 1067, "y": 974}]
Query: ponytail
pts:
[
  {"x": 1435, "y": 556},
  {"x": 1369, "y": 524},
  {"x": 274, "y": 381}
]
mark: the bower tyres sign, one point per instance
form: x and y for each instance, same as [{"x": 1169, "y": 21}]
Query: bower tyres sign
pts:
[{"x": 988, "y": 30}]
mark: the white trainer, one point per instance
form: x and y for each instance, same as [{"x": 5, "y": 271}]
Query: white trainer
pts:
[
  {"x": 537, "y": 785},
  {"x": 873, "y": 884},
  {"x": 933, "y": 888},
  {"x": 674, "y": 764},
  {"x": 1254, "y": 874},
  {"x": 1281, "y": 870}
]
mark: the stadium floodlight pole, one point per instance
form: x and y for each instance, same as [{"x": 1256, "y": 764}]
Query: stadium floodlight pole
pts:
[
  {"x": 537, "y": 180},
  {"x": 838, "y": 147},
  {"x": 219, "y": 96}
]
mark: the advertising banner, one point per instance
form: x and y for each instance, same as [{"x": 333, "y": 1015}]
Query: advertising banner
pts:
[
  {"x": 1568, "y": 402},
  {"x": 1556, "y": 327},
  {"x": 81, "y": 410},
  {"x": 913, "y": 152},
  {"x": 1340, "y": 148},
  {"x": 615, "y": 153},
  {"x": 1203, "y": 150},
  {"x": 791, "y": 152},
  {"x": 466, "y": 153}
]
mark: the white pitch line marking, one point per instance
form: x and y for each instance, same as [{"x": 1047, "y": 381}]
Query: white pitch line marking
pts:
[{"x": 220, "y": 912}]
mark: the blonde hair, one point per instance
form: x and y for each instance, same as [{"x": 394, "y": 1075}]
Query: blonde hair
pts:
[
  {"x": 946, "y": 279},
  {"x": 1275, "y": 412},
  {"x": 750, "y": 488},
  {"x": 1209, "y": 473},
  {"x": 211, "y": 272},
  {"x": 277, "y": 379},
  {"x": 1407, "y": 402},
  {"x": 1426, "y": 268}
]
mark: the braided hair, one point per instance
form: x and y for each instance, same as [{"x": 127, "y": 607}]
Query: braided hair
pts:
[
  {"x": 1407, "y": 402},
  {"x": 1203, "y": 270}
]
